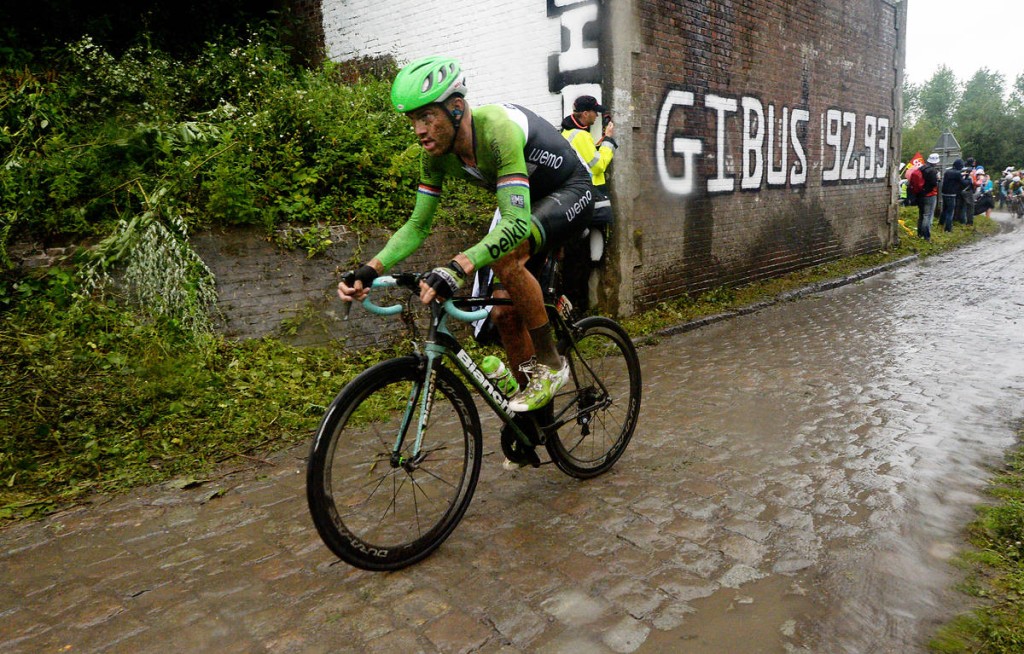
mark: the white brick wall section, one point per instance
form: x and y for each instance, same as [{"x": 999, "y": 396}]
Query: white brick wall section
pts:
[{"x": 503, "y": 46}]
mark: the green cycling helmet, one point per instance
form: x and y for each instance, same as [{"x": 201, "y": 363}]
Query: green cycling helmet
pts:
[{"x": 426, "y": 81}]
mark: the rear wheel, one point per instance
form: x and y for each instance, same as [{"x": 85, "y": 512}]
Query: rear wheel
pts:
[
  {"x": 378, "y": 509},
  {"x": 599, "y": 405}
]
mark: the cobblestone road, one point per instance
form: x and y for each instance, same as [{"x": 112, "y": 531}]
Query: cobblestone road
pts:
[{"x": 797, "y": 483}]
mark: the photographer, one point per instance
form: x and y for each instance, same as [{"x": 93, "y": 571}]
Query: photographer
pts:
[{"x": 598, "y": 156}]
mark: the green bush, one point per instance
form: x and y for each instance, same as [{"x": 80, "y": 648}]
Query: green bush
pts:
[
  {"x": 96, "y": 399},
  {"x": 237, "y": 135}
]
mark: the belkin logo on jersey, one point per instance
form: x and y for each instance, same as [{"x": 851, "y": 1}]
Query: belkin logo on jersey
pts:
[{"x": 545, "y": 158}]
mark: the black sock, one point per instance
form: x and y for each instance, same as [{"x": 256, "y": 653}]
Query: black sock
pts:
[{"x": 544, "y": 346}]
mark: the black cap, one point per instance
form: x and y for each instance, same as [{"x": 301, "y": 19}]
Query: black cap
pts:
[{"x": 587, "y": 103}]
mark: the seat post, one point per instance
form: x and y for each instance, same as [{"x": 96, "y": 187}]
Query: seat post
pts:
[{"x": 549, "y": 276}]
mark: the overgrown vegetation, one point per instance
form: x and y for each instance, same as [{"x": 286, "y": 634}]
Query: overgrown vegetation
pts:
[
  {"x": 109, "y": 374},
  {"x": 996, "y": 567},
  {"x": 236, "y": 135},
  {"x": 96, "y": 398}
]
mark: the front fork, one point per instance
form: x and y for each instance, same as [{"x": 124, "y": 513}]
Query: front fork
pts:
[{"x": 422, "y": 395}]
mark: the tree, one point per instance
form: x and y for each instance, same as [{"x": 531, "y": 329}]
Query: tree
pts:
[
  {"x": 989, "y": 127},
  {"x": 919, "y": 137},
  {"x": 911, "y": 103},
  {"x": 981, "y": 120},
  {"x": 939, "y": 97},
  {"x": 1015, "y": 106}
]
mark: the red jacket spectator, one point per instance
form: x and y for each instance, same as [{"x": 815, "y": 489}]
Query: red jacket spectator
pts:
[{"x": 924, "y": 181}]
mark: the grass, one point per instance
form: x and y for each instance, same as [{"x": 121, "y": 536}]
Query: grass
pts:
[
  {"x": 995, "y": 567},
  {"x": 94, "y": 399}
]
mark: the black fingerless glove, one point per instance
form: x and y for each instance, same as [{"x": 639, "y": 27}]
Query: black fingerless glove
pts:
[
  {"x": 446, "y": 280},
  {"x": 365, "y": 274}
]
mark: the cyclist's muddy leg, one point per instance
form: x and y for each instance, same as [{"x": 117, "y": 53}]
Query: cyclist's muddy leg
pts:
[{"x": 515, "y": 322}]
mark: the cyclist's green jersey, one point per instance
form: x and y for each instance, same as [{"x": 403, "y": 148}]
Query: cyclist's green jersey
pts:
[{"x": 519, "y": 155}]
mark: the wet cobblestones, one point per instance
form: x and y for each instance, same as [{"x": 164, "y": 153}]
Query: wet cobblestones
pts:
[{"x": 797, "y": 481}]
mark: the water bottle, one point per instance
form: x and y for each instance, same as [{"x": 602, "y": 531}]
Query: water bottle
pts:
[
  {"x": 564, "y": 307},
  {"x": 499, "y": 375}
]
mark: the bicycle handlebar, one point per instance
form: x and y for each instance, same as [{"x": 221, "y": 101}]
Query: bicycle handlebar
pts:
[{"x": 390, "y": 281}]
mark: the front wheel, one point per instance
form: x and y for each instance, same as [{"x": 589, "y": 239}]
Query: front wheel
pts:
[
  {"x": 599, "y": 405},
  {"x": 381, "y": 506}
]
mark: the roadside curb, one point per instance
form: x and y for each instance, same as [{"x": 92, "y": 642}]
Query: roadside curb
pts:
[{"x": 786, "y": 296}]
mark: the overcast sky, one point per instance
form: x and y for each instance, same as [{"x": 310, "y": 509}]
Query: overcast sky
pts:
[{"x": 965, "y": 35}]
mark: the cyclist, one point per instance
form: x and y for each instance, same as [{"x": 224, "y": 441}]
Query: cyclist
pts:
[
  {"x": 544, "y": 196},
  {"x": 1016, "y": 191}
]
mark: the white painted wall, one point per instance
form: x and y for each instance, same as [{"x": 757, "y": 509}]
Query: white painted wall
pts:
[{"x": 504, "y": 46}]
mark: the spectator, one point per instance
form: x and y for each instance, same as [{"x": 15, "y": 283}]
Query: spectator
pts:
[
  {"x": 598, "y": 156},
  {"x": 952, "y": 184},
  {"x": 968, "y": 194},
  {"x": 924, "y": 185},
  {"x": 983, "y": 199},
  {"x": 1004, "y": 187}
]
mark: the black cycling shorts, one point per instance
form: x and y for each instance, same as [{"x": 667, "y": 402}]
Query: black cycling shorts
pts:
[{"x": 562, "y": 215}]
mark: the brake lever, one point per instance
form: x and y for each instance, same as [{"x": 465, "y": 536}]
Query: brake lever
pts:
[{"x": 348, "y": 278}]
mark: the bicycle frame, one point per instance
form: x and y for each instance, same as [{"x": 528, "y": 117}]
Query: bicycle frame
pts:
[{"x": 441, "y": 344}]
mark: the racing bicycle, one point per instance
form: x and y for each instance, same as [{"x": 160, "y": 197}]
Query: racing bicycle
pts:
[
  {"x": 397, "y": 456},
  {"x": 1017, "y": 205}
]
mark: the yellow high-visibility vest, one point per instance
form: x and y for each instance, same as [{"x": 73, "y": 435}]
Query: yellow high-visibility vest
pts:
[{"x": 596, "y": 157}]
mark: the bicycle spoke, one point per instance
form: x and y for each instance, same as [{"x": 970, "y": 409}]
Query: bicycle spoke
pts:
[
  {"x": 598, "y": 412},
  {"x": 382, "y": 508}
]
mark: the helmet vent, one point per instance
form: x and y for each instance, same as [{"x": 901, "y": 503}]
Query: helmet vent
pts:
[{"x": 426, "y": 81}]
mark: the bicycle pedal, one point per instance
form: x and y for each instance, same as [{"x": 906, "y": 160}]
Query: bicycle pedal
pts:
[
  {"x": 517, "y": 454},
  {"x": 512, "y": 466}
]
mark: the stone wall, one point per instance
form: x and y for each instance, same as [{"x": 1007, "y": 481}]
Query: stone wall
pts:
[{"x": 264, "y": 290}]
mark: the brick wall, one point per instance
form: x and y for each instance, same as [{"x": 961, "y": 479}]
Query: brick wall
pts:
[
  {"x": 305, "y": 20},
  {"x": 504, "y": 46},
  {"x": 739, "y": 111},
  {"x": 757, "y": 137}
]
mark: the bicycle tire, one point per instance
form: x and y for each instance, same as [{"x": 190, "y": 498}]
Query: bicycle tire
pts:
[
  {"x": 590, "y": 444},
  {"x": 375, "y": 515}
]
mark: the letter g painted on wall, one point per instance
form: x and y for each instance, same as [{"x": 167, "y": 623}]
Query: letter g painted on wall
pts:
[{"x": 686, "y": 148}]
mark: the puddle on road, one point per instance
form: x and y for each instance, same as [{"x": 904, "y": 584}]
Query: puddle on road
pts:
[{"x": 760, "y": 617}]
